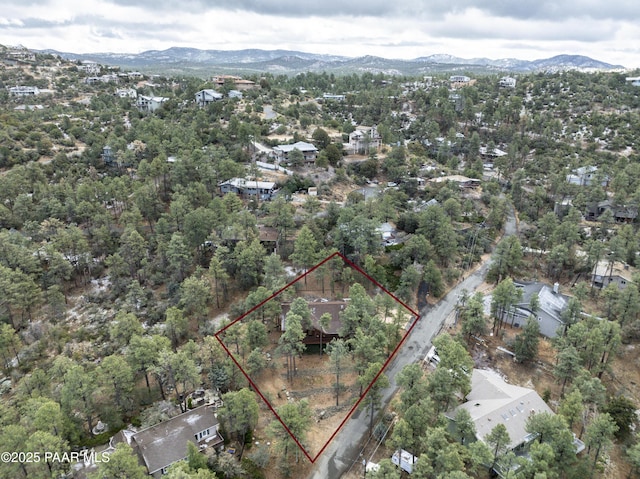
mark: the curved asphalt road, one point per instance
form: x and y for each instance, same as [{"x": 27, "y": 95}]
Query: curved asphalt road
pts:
[{"x": 344, "y": 450}]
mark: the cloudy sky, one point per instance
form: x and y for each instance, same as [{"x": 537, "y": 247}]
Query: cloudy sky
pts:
[{"x": 606, "y": 30}]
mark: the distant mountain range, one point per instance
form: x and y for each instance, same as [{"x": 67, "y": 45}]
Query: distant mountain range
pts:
[{"x": 195, "y": 61}]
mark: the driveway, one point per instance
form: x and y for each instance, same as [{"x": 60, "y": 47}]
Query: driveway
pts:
[{"x": 344, "y": 451}]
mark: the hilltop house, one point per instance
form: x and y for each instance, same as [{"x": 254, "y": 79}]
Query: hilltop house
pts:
[
  {"x": 161, "y": 445},
  {"x": 264, "y": 190},
  {"x": 605, "y": 272},
  {"x": 364, "y": 139},
  {"x": 492, "y": 401},
  {"x": 238, "y": 83},
  {"x": 549, "y": 312},
  {"x": 308, "y": 150},
  {"x": 207, "y": 96},
  {"x": 89, "y": 67}
]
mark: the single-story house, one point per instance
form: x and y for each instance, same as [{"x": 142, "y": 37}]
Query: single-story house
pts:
[
  {"x": 549, "y": 314},
  {"x": 150, "y": 103},
  {"x": 635, "y": 81},
  {"x": 207, "y": 96},
  {"x": 332, "y": 96},
  {"x": 463, "y": 181},
  {"x": 493, "y": 401},
  {"x": 318, "y": 308},
  {"x": 308, "y": 150},
  {"x": 389, "y": 233},
  {"x": 606, "y": 272},
  {"x": 264, "y": 190},
  {"x": 238, "y": 83},
  {"x": 23, "y": 90},
  {"x": 165, "y": 443}
]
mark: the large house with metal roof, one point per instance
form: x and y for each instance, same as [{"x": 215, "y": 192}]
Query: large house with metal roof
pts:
[
  {"x": 263, "y": 190},
  {"x": 493, "y": 401}
]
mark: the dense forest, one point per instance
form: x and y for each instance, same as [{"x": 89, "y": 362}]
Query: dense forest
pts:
[{"x": 117, "y": 266}]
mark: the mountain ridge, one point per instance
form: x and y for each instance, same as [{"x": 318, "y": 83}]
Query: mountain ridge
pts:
[{"x": 293, "y": 62}]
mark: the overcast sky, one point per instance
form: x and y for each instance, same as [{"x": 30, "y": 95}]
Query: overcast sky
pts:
[{"x": 607, "y": 30}]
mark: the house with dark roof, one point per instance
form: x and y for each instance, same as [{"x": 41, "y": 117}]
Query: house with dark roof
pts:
[
  {"x": 318, "y": 308},
  {"x": 621, "y": 213},
  {"x": 493, "y": 401},
  {"x": 549, "y": 313},
  {"x": 161, "y": 445}
]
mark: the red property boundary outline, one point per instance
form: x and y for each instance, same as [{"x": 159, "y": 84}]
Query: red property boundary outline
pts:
[{"x": 355, "y": 406}]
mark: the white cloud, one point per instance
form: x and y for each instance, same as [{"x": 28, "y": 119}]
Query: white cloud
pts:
[{"x": 402, "y": 29}]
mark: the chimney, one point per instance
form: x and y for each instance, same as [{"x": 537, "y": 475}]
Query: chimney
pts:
[{"x": 556, "y": 287}]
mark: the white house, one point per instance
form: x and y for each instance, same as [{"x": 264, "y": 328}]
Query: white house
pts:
[
  {"x": 364, "y": 139},
  {"x": 585, "y": 175},
  {"x": 635, "y": 81},
  {"x": 24, "y": 90},
  {"x": 150, "y": 103},
  {"x": 207, "y": 96},
  {"x": 331, "y": 96},
  {"x": 308, "y": 150},
  {"x": 507, "y": 82},
  {"x": 89, "y": 67},
  {"x": 126, "y": 93},
  {"x": 235, "y": 94},
  {"x": 264, "y": 190},
  {"x": 459, "y": 79}
]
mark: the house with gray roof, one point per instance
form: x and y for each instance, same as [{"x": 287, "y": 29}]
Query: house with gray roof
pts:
[
  {"x": 207, "y": 96},
  {"x": 161, "y": 445},
  {"x": 308, "y": 150},
  {"x": 549, "y": 313},
  {"x": 493, "y": 401},
  {"x": 264, "y": 190}
]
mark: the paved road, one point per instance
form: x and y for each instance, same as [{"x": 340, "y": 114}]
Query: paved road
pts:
[{"x": 344, "y": 451}]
